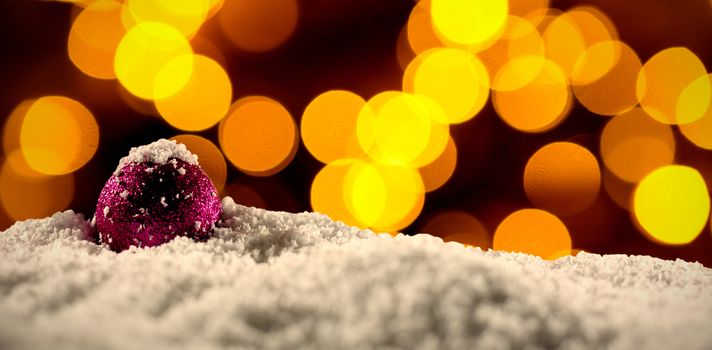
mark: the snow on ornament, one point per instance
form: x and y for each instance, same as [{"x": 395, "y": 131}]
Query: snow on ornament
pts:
[{"x": 158, "y": 192}]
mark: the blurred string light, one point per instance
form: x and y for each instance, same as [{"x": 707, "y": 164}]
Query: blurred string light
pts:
[
  {"x": 613, "y": 90},
  {"x": 470, "y": 23},
  {"x": 142, "y": 57},
  {"x": 633, "y": 144},
  {"x": 58, "y": 135},
  {"x": 204, "y": 99},
  {"x": 210, "y": 158},
  {"x": 672, "y": 204},
  {"x": 659, "y": 91},
  {"x": 94, "y": 37},
  {"x": 570, "y": 34},
  {"x": 258, "y": 136},
  {"x": 458, "y": 226},
  {"x": 699, "y": 132},
  {"x": 329, "y": 138},
  {"x": 533, "y": 231},
  {"x": 453, "y": 78},
  {"x": 258, "y": 26},
  {"x": 439, "y": 171},
  {"x": 184, "y": 15},
  {"x": 562, "y": 178},
  {"x": 538, "y": 105}
]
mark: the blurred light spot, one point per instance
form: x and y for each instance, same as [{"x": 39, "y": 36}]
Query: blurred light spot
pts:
[
  {"x": 58, "y": 135},
  {"x": 258, "y": 136},
  {"x": 672, "y": 204},
  {"x": 569, "y": 35},
  {"x": 613, "y": 92},
  {"x": 382, "y": 196},
  {"x": 453, "y": 78},
  {"x": 328, "y": 192},
  {"x": 421, "y": 34},
  {"x": 94, "y": 37},
  {"x": 533, "y": 231},
  {"x": 26, "y": 194},
  {"x": 328, "y": 126},
  {"x": 245, "y": 195},
  {"x": 522, "y": 8},
  {"x": 400, "y": 128},
  {"x": 458, "y": 226},
  {"x": 539, "y": 105},
  {"x": 562, "y": 178},
  {"x": 209, "y": 156},
  {"x": 520, "y": 38},
  {"x": 468, "y": 22},
  {"x": 699, "y": 132},
  {"x": 258, "y": 26},
  {"x": 144, "y": 52},
  {"x": 185, "y": 15},
  {"x": 694, "y": 101},
  {"x": 404, "y": 53},
  {"x": 437, "y": 173},
  {"x": 13, "y": 126},
  {"x": 663, "y": 79},
  {"x": 203, "y": 101},
  {"x": 634, "y": 144}
]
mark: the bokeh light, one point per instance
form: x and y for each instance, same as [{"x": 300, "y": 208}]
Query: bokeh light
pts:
[
  {"x": 185, "y": 15},
  {"x": 699, "y": 132},
  {"x": 634, "y": 144},
  {"x": 453, "y": 78},
  {"x": 569, "y": 35},
  {"x": 328, "y": 194},
  {"x": 258, "y": 136},
  {"x": 458, "y": 226},
  {"x": 468, "y": 22},
  {"x": 609, "y": 87},
  {"x": 520, "y": 38},
  {"x": 672, "y": 204},
  {"x": 328, "y": 126},
  {"x": 540, "y": 104},
  {"x": 384, "y": 197},
  {"x": 533, "y": 231},
  {"x": 419, "y": 29},
  {"x": 663, "y": 79},
  {"x": 26, "y": 194},
  {"x": 94, "y": 37},
  {"x": 258, "y": 26},
  {"x": 209, "y": 157},
  {"x": 144, "y": 51},
  {"x": 58, "y": 135},
  {"x": 204, "y": 99},
  {"x": 562, "y": 178},
  {"x": 437, "y": 173},
  {"x": 401, "y": 128}
]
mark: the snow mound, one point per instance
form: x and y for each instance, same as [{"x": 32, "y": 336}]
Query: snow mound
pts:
[
  {"x": 284, "y": 281},
  {"x": 159, "y": 152}
]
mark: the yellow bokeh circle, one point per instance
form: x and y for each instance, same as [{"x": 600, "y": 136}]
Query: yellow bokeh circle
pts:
[
  {"x": 672, "y": 204},
  {"x": 469, "y": 22},
  {"x": 144, "y": 52}
]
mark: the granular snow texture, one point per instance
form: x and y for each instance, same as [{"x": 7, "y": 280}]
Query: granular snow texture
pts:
[{"x": 273, "y": 280}]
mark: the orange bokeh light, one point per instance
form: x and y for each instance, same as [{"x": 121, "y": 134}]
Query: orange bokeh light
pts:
[{"x": 258, "y": 136}]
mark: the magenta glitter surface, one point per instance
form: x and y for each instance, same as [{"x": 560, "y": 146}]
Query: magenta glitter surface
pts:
[{"x": 149, "y": 204}]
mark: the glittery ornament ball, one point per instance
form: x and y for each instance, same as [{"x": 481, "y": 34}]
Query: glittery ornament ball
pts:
[{"x": 157, "y": 193}]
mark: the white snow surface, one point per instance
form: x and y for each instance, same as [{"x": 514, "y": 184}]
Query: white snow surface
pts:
[
  {"x": 273, "y": 280},
  {"x": 159, "y": 152}
]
